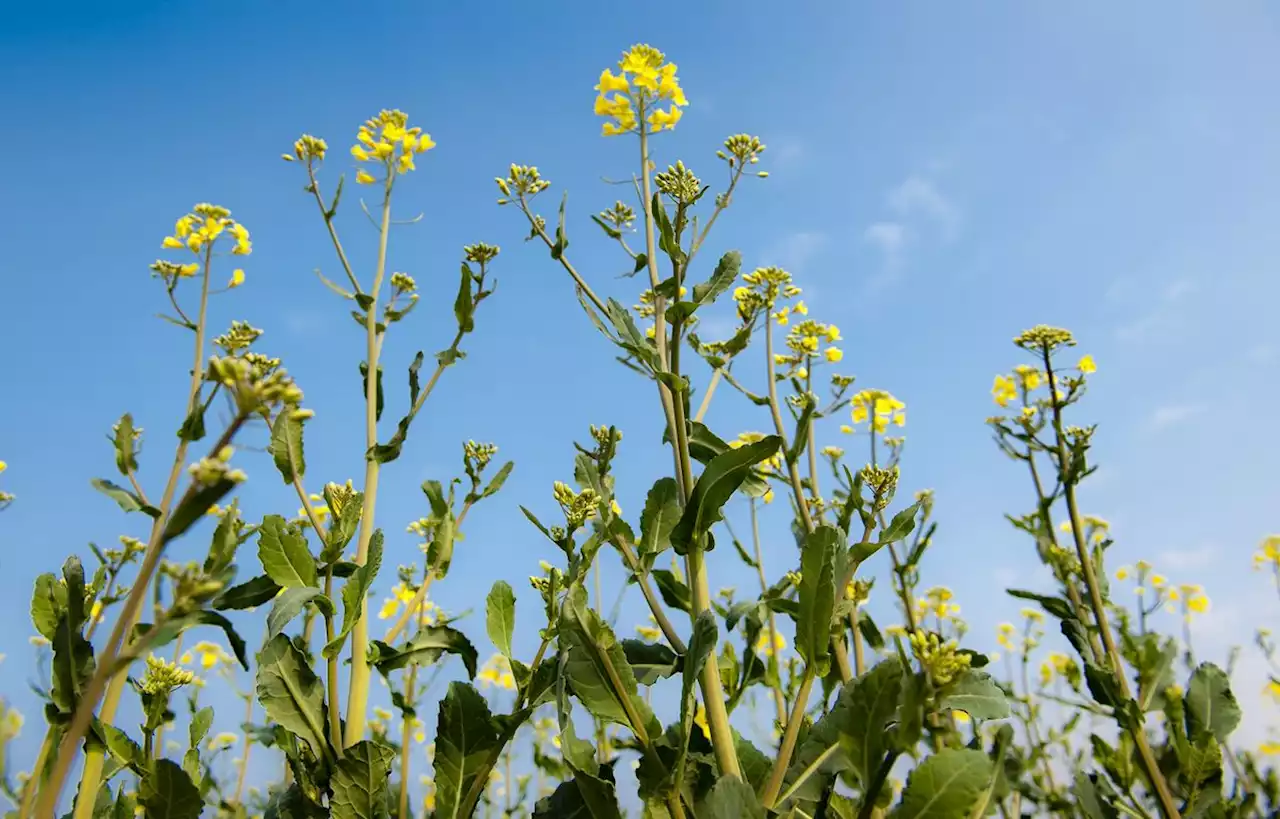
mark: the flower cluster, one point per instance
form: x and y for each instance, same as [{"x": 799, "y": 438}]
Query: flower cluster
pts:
[
  {"x": 942, "y": 660},
  {"x": 878, "y": 406},
  {"x": 764, "y": 286},
  {"x": 496, "y": 673},
  {"x": 162, "y": 676},
  {"x": 1060, "y": 666},
  {"x": 211, "y": 470},
  {"x": 806, "y": 340},
  {"x": 387, "y": 141},
  {"x": 211, "y": 656},
  {"x": 644, "y": 82},
  {"x": 578, "y": 507}
]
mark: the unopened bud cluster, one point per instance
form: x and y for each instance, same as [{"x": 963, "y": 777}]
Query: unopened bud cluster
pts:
[
  {"x": 162, "y": 677},
  {"x": 212, "y": 470},
  {"x": 679, "y": 183},
  {"x": 480, "y": 253},
  {"x": 940, "y": 659},
  {"x": 523, "y": 180},
  {"x": 479, "y": 455},
  {"x": 579, "y": 507},
  {"x": 403, "y": 282},
  {"x": 240, "y": 337},
  {"x": 882, "y": 482},
  {"x": 741, "y": 149},
  {"x": 306, "y": 148},
  {"x": 1042, "y": 337}
]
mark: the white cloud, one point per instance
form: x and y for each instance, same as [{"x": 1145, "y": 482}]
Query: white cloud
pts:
[
  {"x": 1185, "y": 560},
  {"x": 917, "y": 196},
  {"x": 1172, "y": 415},
  {"x": 795, "y": 250},
  {"x": 1161, "y": 316},
  {"x": 890, "y": 238}
]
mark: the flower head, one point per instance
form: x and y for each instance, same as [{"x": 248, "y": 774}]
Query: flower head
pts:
[{"x": 637, "y": 94}]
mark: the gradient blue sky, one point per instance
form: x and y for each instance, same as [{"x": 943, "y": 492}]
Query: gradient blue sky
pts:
[{"x": 943, "y": 175}]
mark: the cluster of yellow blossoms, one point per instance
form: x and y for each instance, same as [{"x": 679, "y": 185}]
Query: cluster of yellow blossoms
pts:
[
  {"x": 761, "y": 291},
  {"x": 643, "y": 83},
  {"x": 1026, "y": 379},
  {"x": 878, "y": 406},
  {"x": 211, "y": 656},
  {"x": 198, "y": 232},
  {"x": 387, "y": 140},
  {"x": 496, "y": 673},
  {"x": 403, "y": 595},
  {"x": 1268, "y": 553},
  {"x": 1059, "y": 666},
  {"x": 806, "y": 339}
]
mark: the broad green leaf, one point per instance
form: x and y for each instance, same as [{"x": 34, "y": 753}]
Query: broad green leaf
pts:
[
  {"x": 291, "y": 694},
  {"x": 73, "y": 660},
  {"x": 199, "y": 727},
  {"x": 661, "y": 511},
  {"x": 226, "y": 541},
  {"x": 675, "y": 593},
  {"x": 290, "y": 604},
  {"x": 47, "y": 600},
  {"x": 866, "y": 707},
  {"x": 702, "y": 645},
  {"x": 248, "y": 595},
  {"x": 650, "y": 662},
  {"x": 731, "y": 798},
  {"x": 171, "y": 627},
  {"x": 466, "y": 737},
  {"x": 464, "y": 305},
  {"x": 284, "y": 554},
  {"x": 755, "y": 765},
  {"x": 286, "y": 446},
  {"x": 500, "y": 616},
  {"x": 1210, "y": 704},
  {"x": 717, "y": 483},
  {"x": 292, "y": 803},
  {"x": 1092, "y": 804},
  {"x": 126, "y": 445},
  {"x": 500, "y": 478},
  {"x": 194, "y": 506},
  {"x": 166, "y": 792},
  {"x": 125, "y": 806},
  {"x": 359, "y": 782},
  {"x": 1053, "y": 605},
  {"x": 126, "y": 499},
  {"x": 977, "y": 694},
  {"x": 425, "y": 648},
  {"x": 901, "y": 525},
  {"x": 583, "y": 797},
  {"x": 946, "y": 785},
  {"x": 817, "y": 597},
  {"x": 355, "y": 593},
  {"x": 127, "y": 752},
  {"x": 721, "y": 280},
  {"x": 589, "y": 648}
]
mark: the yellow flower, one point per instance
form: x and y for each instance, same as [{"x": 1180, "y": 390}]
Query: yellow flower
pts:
[
  {"x": 1004, "y": 390},
  {"x": 1122, "y": 573},
  {"x": 389, "y": 608},
  {"x": 609, "y": 83},
  {"x": 1087, "y": 366},
  {"x": 661, "y": 120},
  {"x": 833, "y": 333},
  {"x": 1158, "y": 580},
  {"x": 801, "y": 308},
  {"x": 768, "y": 496},
  {"x": 700, "y": 720},
  {"x": 188, "y": 270},
  {"x": 650, "y": 633},
  {"x": 3, "y": 466},
  {"x": 846, "y": 429},
  {"x": 237, "y": 278},
  {"x": 210, "y": 654},
  {"x": 173, "y": 243},
  {"x": 763, "y": 645},
  {"x": 360, "y": 153},
  {"x": 781, "y": 316},
  {"x": 364, "y": 178},
  {"x": 1269, "y": 748},
  {"x": 834, "y": 354},
  {"x": 961, "y": 717},
  {"x": 1273, "y": 689}
]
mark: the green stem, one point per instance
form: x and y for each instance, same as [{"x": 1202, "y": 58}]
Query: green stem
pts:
[
  {"x": 779, "y": 702},
  {"x": 769, "y": 795},
  {"x": 103, "y": 680},
  {"x": 358, "y": 688},
  {"x": 877, "y": 784},
  {"x": 1145, "y": 755}
]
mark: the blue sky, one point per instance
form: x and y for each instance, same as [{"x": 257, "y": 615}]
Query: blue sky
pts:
[{"x": 941, "y": 177}]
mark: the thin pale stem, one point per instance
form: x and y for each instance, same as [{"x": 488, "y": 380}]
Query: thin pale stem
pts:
[
  {"x": 1145, "y": 754},
  {"x": 358, "y": 688},
  {"x": 91, "y": 775},
  {"x": 769, "y": 794},
  {"x": 646, "y": 589},
  {"x": 244, "y": 755},
  {"x": 779, "y": 702},
  {"x": 706, "y": 397}
]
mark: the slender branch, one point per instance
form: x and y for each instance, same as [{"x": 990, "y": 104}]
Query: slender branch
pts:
[
  {"x": 642, "y": 579},
  {"x": 769, "y": 795}
]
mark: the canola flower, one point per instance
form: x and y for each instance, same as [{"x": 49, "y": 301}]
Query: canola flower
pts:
[
  {"x": 635, "y": 96},
  {"x": 496, "y": 673},
  {"x": 211, "y": 655},
  {"x": 880, "y": 407},
  {"x": 386, "y": 143}
]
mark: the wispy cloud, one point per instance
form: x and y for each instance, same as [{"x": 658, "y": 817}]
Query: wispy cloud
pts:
[
  {"x": 1185, "y": 560},
  {"x": 1160, "y": 314},
  {"x": 890, "y": 238},
  {"x": 919, "y": 197},
  {"x": 1172, "y": 415}
]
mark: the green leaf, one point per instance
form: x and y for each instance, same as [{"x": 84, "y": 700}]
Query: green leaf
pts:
[
  {"x": 586, "y": 645},
  {"x": 225, "y": 542},
  {"x": 731, "y": 798},
  {"x": 47, "y": 600},
  {"x": 171, "y": 627},
  {"x": 902, "y": 525},
  {"x": 201, "y": 721},
  {"x": 121, "y": 747},
  {"x": 977, "y": 694},
  {"x": 466, "y": 737},
  {"x": 498, "y": 480},
  {"x": 702, "y": 645},
  {"x": 1091, "y": 803},
  {"x": 126, "y": 445},
  {"x": 582, "y": 797},
  {"x": 650, "y": 662},
  {"x": 248, "y": 595},
  {"x": 721, "y": 280},
  {"x": 946, "y": 785},
  {"x": 166, "y": 792},
  {"x": 675, "y": 593},
  {"x": 355, "y": 593},
  {"x": 866, "y": 707},
  {"x": 1053, "y": 605},
  {"x": 425, "y": 648},
  {"x": 359, "y": 782},
  {"x": 342, "y": 527},
  {"x": 194, "y": 506},
  {"x": 817, "y": 597},
  {"x": 284, "y": 554},
  {"x": 286, "y": 446},
  {"x": 364, "y": 386},
  {"x": 291, "y": 694},
  {"x": 717, "y": 483},
  {"x": 290, "y": 604},
  {"x": 500, "y": 616},
  {"x": 128, "y": 501},
  {"x": 562, "y": 239},
  {"x": 1210, "y": 704},
  {"x": 661, "y": 511}
]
